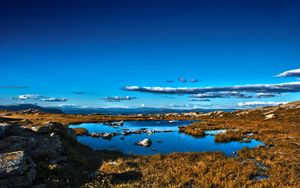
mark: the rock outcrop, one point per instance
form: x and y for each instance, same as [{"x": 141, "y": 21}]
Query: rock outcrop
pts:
[
  {"x": 16, "y": 170},
  {"x": 21, "y": 145}
]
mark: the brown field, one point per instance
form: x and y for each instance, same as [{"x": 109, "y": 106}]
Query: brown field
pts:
[{"x": 278, "y": 160}]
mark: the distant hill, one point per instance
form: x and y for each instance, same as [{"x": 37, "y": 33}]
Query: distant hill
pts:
[
  {"x": 108, "y": 111},
  {"x": 128, "y": 111},
  {"x": 20, "y": 107}
]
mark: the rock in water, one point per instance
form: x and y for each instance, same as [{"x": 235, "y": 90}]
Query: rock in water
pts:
[
  {"x": 107, "y": 136},
  {"x": 145, "y": 143}
]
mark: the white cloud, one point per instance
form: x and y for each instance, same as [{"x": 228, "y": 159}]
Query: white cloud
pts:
[
  {"x": 51, "y": 99},
  {"x": 254, "y": 88},
  {"x": 222, "y": 94},
  {"x": 39, "y": 98},
  {"x": 193, "y": 80},
  {"x": 118, "y": 98},
  {"x": 28, "y": 96},
  {"x": 182, "y": 79},
  {"x": 259, "y": 103},
  {"x": 267, "y": 95},
  {"x": 200, "y": 100},
  {"x": 290, "y": 73}
]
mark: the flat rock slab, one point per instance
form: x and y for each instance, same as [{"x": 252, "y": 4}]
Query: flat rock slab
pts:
[{"x": 12, "y": 164}]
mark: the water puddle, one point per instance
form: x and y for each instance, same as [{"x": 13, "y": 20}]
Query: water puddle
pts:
[{"x": 164, "y": 138}]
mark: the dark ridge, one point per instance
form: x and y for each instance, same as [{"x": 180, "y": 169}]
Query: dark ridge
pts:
[
  {"x": 20, "y": 107},
  {"x": 131, "y": 111}
]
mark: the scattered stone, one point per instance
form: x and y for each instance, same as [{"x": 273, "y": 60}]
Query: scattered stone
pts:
[
  {"x": 247, "y": 140},
  {"x": 107, "y": 136},
  {"x": 149, "y": 132},
  {"x": 118, "y": 123},
  {"x": 126, "y": 133},
  {"x": 104, "y": 135},
  {"x": 250, "y": 134},
  {"x": 145, "y": 143},
  {"x": 94, "y": 134},
  {"x": 40, "y": 129},
  {"x": 262, "y": 145},
  {"x": 269, "y": 116}
]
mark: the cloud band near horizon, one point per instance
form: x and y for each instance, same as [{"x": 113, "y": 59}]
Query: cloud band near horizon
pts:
[
  {"x": 254, "y": 88},
  {"x": 39, "y": 98},
  {"x": 117, "y": 99},
  {"x": 290, "y": 73}
]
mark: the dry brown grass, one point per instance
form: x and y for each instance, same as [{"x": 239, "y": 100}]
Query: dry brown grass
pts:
[
  {"x": 280, "y": 156},
  {"x": 182, "y": 170}
]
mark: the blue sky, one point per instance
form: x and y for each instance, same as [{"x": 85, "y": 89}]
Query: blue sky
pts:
[{"x": 57, "y": 49}]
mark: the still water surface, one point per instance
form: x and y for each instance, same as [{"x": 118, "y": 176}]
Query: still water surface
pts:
[{"x": 166, "y": 142}]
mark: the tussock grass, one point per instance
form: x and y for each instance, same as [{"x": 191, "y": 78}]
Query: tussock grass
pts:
[{"x": 229, "y": 136}]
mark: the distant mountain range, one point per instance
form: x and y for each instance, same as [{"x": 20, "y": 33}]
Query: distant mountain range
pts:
[
  {"x": 19, "y": 107},
  {"x": 108, "y": 111},
  {"x": 128, "y": 111}
]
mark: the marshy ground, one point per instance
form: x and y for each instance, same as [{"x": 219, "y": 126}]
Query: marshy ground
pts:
[{"x": 276, "y": 164}]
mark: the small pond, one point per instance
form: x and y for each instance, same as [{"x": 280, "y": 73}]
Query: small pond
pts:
[{"x": 162, "y": 142}]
